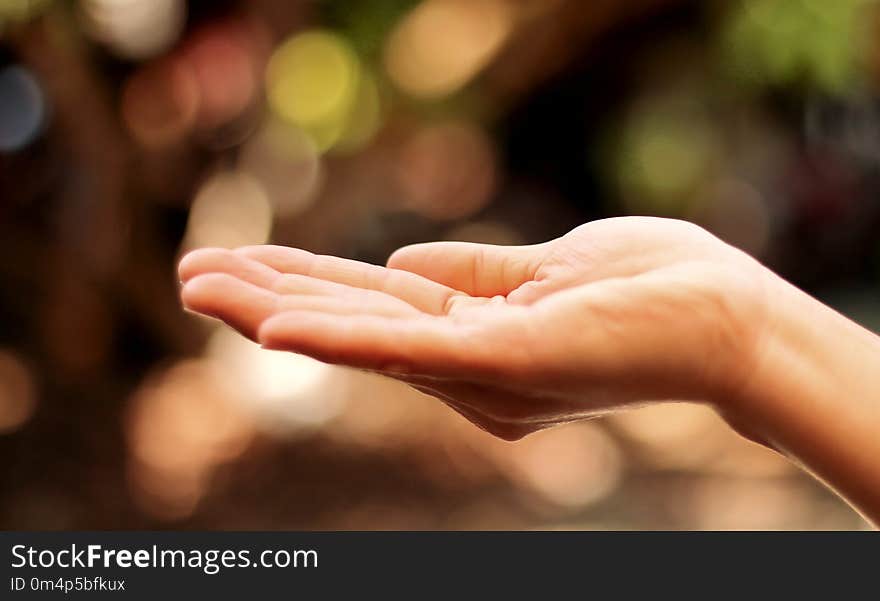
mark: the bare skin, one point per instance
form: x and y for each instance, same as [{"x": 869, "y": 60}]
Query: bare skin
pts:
[{"x": 617, "y": 313}]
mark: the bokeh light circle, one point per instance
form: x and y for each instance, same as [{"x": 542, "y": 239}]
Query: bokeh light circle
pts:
[
  {"x": 17, "y": 393},
  {"x": 132, "y": 28},
  {"x": 22, "y": 108},
  {"x": 160, "y": 102},
  {"x": 286, "y": 163},
  {"x": 225, "y": 58},
  {"x": 231, "y": 209},
  {"x": 312, "y": 78},
  {"x": 448, "y": 170},
  {"x": 442, "y": 44}
]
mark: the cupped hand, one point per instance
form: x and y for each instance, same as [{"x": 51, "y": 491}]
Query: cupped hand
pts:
[{"x": 615, "y": 313}]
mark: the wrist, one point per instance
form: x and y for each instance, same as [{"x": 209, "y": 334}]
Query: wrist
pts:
[
  {"x": 801, "y": 349},
  {"x": 811, "y": 392}
]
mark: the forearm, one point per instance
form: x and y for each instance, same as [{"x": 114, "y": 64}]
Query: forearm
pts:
[{"x": 814, "y": 394}]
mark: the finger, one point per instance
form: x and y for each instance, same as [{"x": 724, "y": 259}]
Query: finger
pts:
[
  {"x": 370, "y": 301},
  {"x": 421, "y": 293},
  {"x": 378, "y": 306},
  {"x": 240, "y": 304},
  {"x": 424, "y": 345},
  {"x": 244, "y": 306},
  {"x": 222, "y": 260},
  {"x": 476, "y": 269}
]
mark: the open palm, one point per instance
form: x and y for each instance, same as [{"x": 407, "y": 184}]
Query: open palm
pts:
[{"x": 617, "y": 312}]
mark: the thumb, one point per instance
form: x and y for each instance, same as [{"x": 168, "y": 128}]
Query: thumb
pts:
[{"x": 476, "y": 269}]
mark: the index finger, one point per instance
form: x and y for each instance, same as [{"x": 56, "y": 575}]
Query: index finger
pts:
[{"x": 423, "y": 294}]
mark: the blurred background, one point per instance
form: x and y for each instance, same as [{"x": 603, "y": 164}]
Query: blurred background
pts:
[{"x": 134, "y": 130}]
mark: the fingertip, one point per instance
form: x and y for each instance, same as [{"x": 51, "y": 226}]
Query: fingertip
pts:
[
  {"x": 275, "y": 330},
  {"x": 249, "y": 248},
  {"x": 225, "y": 261},
  {"x": 527, "y": 294},
  {"x": 190, "y": 265},
  {"x": 199, "y": 290},
  {"x": 302, "y": 332},
  {"x": 242, "y": 305},
  {"x": 405, "y": 255},
  {"x": 272, "y": 252},
  {"x": 266, "y": 332}
]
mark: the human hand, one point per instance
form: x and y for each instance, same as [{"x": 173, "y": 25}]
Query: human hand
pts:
[{"x": 616, "y": 313}]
